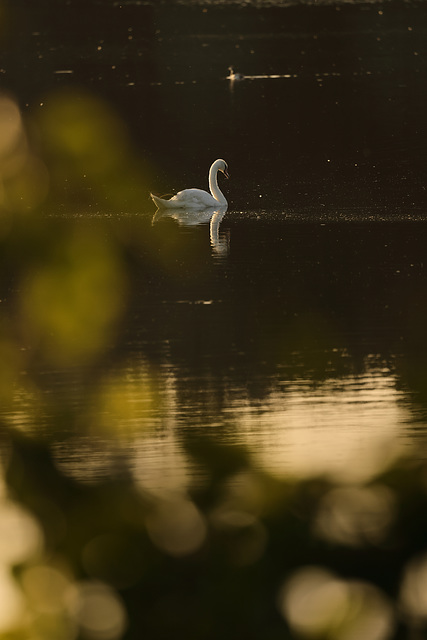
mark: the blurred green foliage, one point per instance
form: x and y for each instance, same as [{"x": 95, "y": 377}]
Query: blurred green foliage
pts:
[{"x": 247, "y": 556}]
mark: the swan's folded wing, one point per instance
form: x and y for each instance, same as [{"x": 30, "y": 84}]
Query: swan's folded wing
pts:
[{"x": 194, "y": 198}]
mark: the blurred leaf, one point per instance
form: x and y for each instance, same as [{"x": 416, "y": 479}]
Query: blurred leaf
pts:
[{"x": 71, "y": 304}]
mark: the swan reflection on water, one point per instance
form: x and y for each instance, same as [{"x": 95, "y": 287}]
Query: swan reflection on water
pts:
[
  {"x": 220, "y": 243},
  {"x": 190, "y": 218}
]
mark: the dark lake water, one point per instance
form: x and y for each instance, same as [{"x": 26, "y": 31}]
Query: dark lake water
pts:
[
  {"x": 300, "y": 339},
  {"x": 294, "y": 324}
]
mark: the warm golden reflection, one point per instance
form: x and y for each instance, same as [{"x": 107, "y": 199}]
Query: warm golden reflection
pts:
[
  {"x": 160, "y": 463},
  {"x": 346, "y": 427},
  {"x": 26, "y": 407},
  {"x": 125, "y": 404},
  {"x": 349, "y": 428}
]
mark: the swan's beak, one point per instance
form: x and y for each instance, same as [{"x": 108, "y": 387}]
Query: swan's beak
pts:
[{"x": 225, "y": 172}]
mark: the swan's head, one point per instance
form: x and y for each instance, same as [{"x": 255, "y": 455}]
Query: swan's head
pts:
[{"x": 223, "y": 166}]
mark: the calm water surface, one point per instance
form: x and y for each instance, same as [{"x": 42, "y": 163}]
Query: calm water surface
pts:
[{"x": 293, "y": 325}]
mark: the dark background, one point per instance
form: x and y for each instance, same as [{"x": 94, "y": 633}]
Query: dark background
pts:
[{"x": 347, "y": 131}]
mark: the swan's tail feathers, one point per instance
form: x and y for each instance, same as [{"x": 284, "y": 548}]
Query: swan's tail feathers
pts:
[{"x": 159, "y": 202}]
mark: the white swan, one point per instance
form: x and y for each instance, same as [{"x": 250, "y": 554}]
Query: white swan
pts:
[{"x": 197, "y": 198}]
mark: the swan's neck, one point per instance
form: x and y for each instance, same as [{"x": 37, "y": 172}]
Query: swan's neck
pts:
[{"x": 213, "y": 185}]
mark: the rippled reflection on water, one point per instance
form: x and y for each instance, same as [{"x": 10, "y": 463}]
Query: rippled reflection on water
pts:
[{"x": 347, "y": 426}]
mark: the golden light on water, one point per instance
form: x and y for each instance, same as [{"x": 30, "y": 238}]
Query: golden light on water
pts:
[
  {"x": 25, "y": 407},
  {"x": 125, "y": 404},
  {"x": 160, "y": 463},
  {"x": 87, "y": 459},
  {"x": 347, "y": 428}
]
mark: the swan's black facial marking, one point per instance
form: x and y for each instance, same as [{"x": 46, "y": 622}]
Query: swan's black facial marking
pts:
[{"x": 225, "y": 170}]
